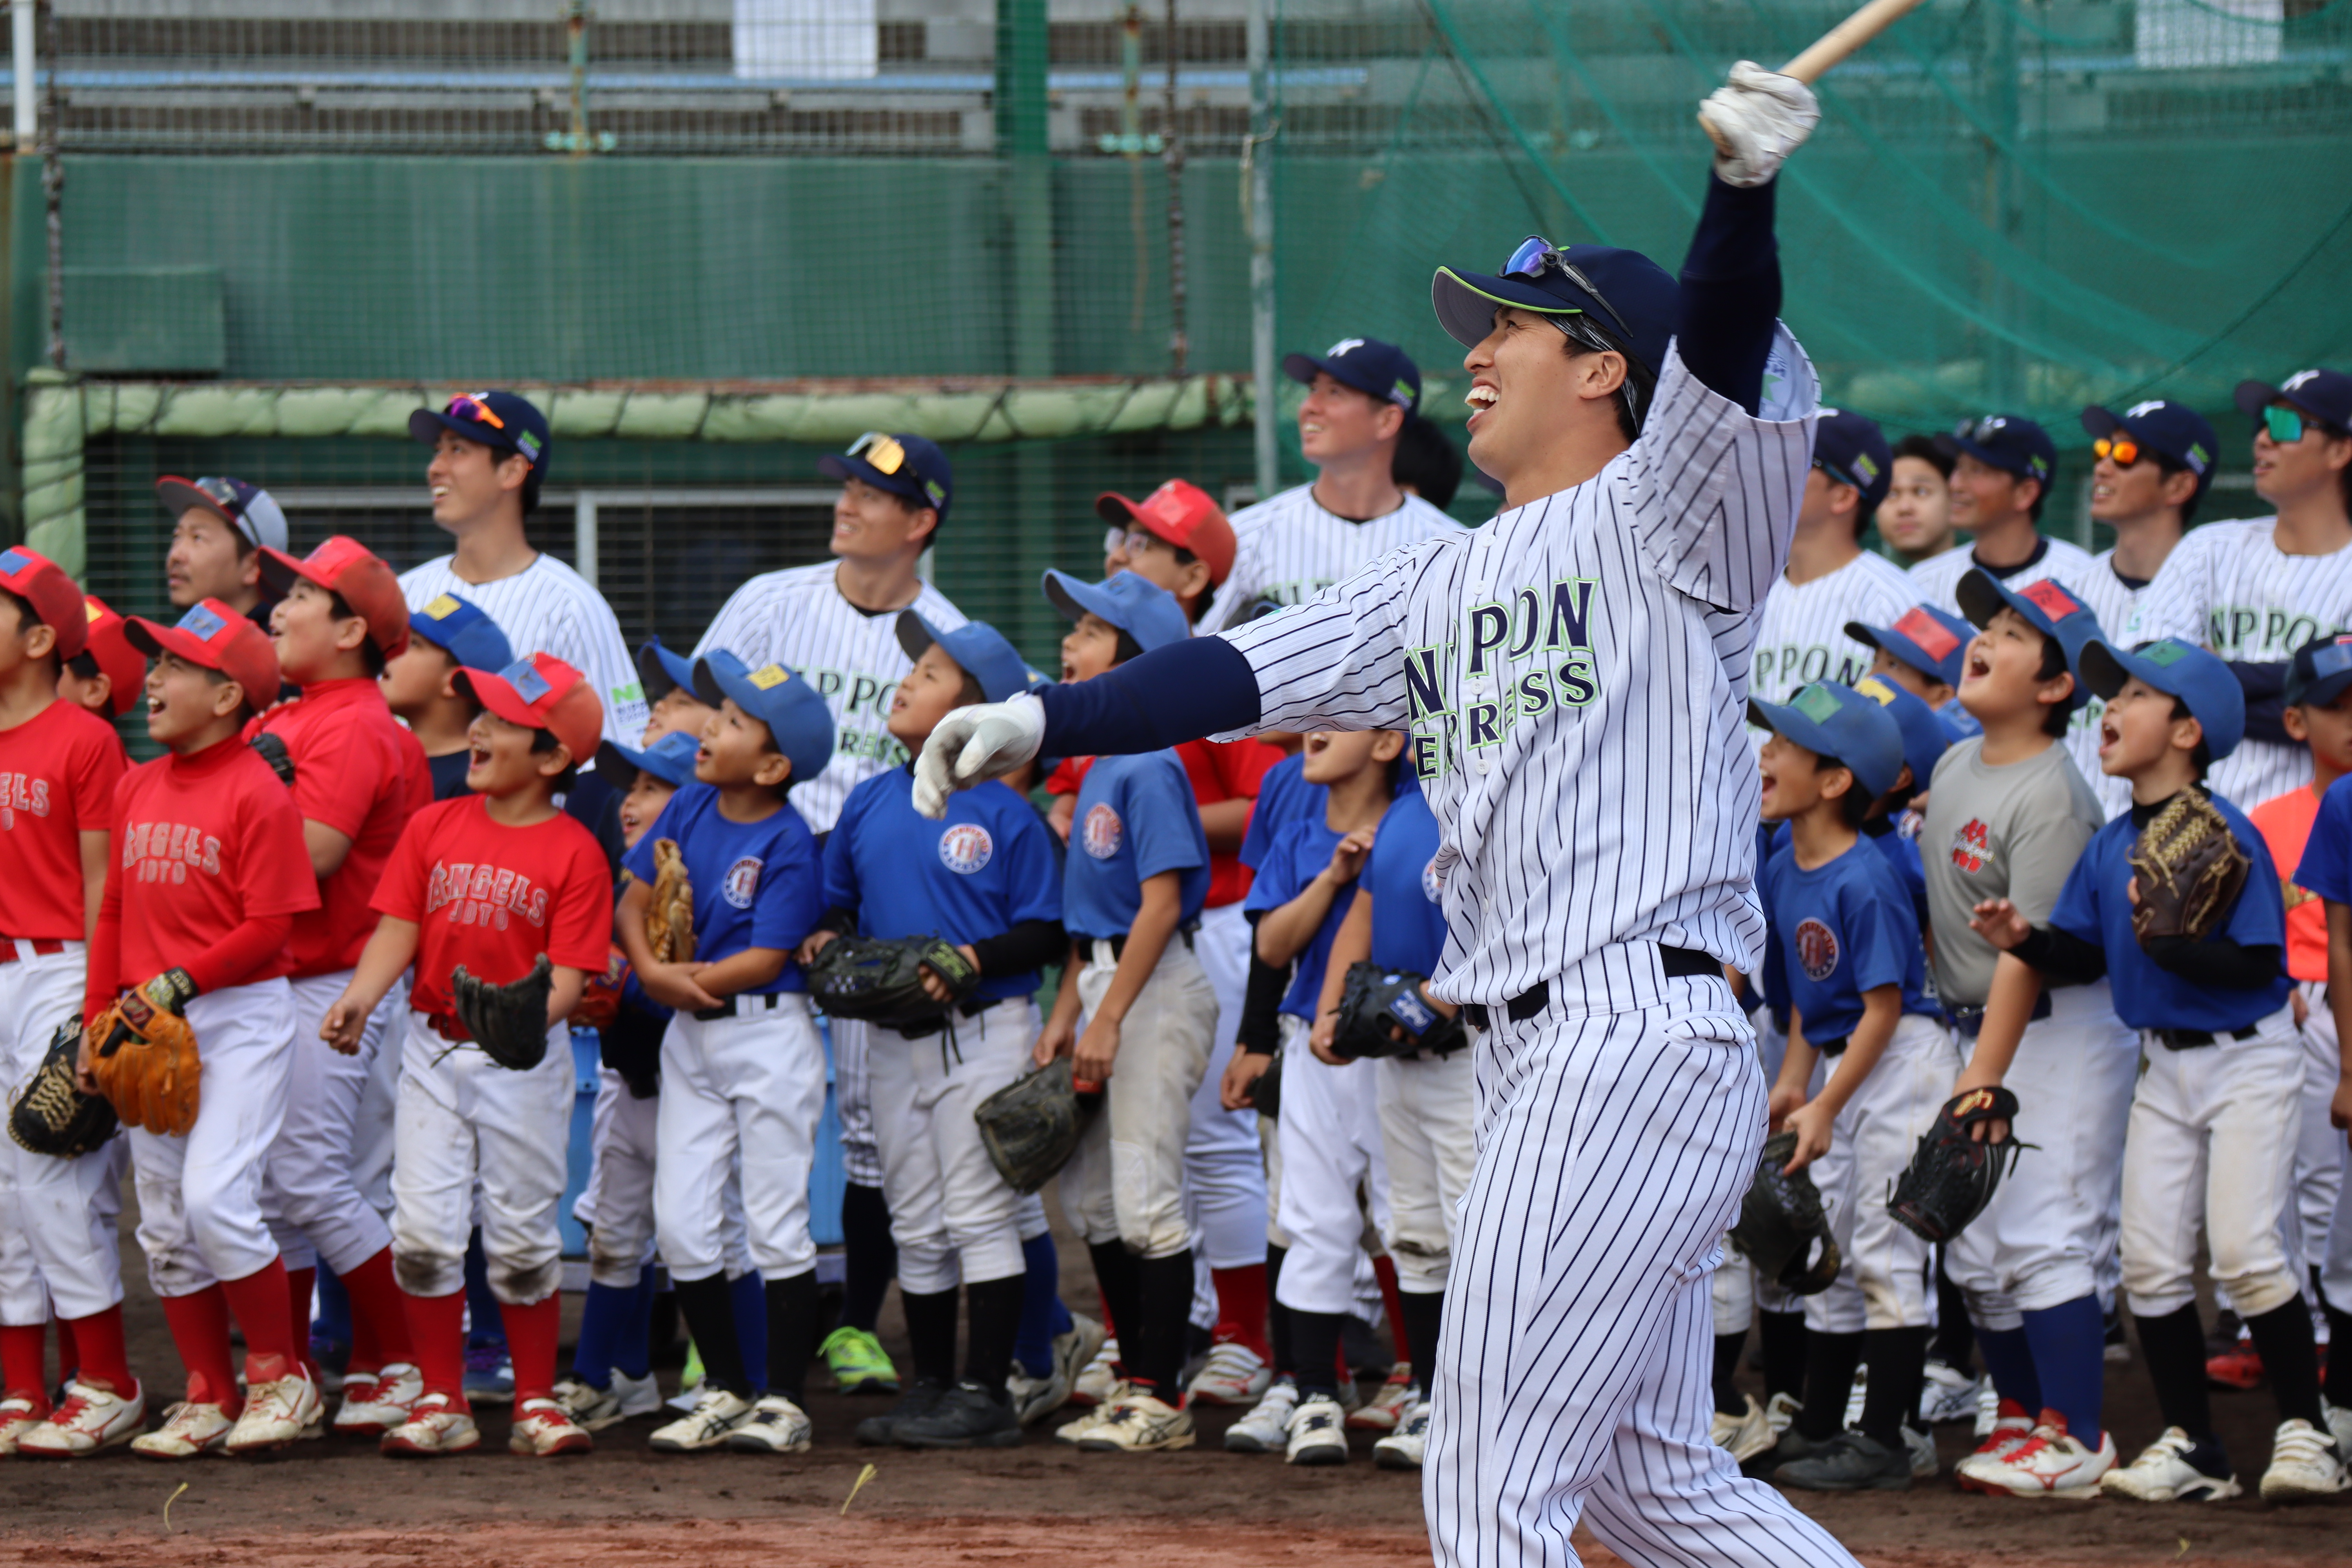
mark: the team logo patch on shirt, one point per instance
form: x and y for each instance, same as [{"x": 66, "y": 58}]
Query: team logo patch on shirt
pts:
[
  {"x": 1817, "y": 948},
  {"x": 966, "y": 848},
  {"x": 1102, "y": 832},
  {"x": 1433, "y": 882},
  {"x": 1972, "y": 847},
  {"x": 742, "y": 881}
]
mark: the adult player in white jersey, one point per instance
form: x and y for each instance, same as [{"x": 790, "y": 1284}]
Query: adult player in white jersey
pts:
[
  {"x": 1361, "y": 394},
  {"x": 1574, "y": 679},
  {"x": 490, "y": 451},
  {"x": 2253, "y": 592},
  {"x": 2002, "y": 468}
]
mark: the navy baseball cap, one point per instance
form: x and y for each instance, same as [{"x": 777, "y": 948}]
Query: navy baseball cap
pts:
[
  {"x": 2199, "y": 678},
  {"x": 2325, "y": 394},
  {"x": 907, "y": 466},
  {"x": 2009, "y": 442},
  {"x": 2179, "y": 433},
  {"x": 2320, "y": 671},
  {"x": 1370, "y": 366},
  {"x": 1850, "y": 448},
  {"x": 1925, "y": 738},
  {"x": 669, "y": 758},
  {"x": 979, "y": 650},
  {"x": 798, "y": 721},
  {"x": 2049, "y": 606},
  {"x": 1929, "y": 640},
  {"x": 463, "y": 630},
  {"x": 248, "y": 508},
  {"x": 1831, "y": 720},
  {"x": 499, "y": 419},
  {"x": 662, "y": 671},
  {"x": 1143, "y": 610},
  {"x": 1626, "y": 292}
]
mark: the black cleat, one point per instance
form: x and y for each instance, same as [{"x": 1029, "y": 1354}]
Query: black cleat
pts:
[{"x": 965, "y": 1417}]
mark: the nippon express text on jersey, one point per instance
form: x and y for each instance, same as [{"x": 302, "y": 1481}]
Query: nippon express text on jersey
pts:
[{"x": 1531, "y": 649}]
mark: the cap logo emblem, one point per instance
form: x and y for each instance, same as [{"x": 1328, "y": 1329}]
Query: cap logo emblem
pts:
[
  {"x": 2299, "y": 380},
  {"x": 441, "y": 608},
  {"x": 2141, "y": 410},
  {"x": 936, "y": 491},
  {"x": 1816, "y": 702},
  {"x": 202, "y": 623},
  {"x": 1933, "y": 638},
  {"x": 2165, "y": 654},
  {"x": 2333, "y": 659},
  {"x": 1402, "y": 392},
  {"x": 1877, "y": 690},
  {"x": 15, "y": 561},
  {"x": 2051, "y": 599},
  {"x": 1867, "y": 468},
  {"x": 769, "y": 676},
  {"x": 528, "y": 445},
  {"x": 90, "y": 607},
  {"x": 1348, "y": 345},
  {"x": 524, "y": 677}
]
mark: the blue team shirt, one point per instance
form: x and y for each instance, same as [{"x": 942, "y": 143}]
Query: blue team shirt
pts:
[
  {"x": 2326, "y": 869},
  {"x": 756, "y": 884},
  {"x": 1845, "y": 928},
  {"x": 1135, "y": 818},
  {"x": 2095, "y": 906},
  {"x": 1282, "y": 794},
  {"x": 1300, "y": 853},
  {"x": 978, "y": 873},
  {"x": 1400, "y": 873}
]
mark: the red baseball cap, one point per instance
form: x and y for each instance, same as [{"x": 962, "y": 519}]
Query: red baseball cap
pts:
[
  {"x": 122, "y": 664},
  {"x": 217, "y": 637},
  {"x": 1181, "y": 513},
  {"x": 43, "y": 583},
  {"x": 345, "y": 566},
  {"x": 539, "y": 691}
]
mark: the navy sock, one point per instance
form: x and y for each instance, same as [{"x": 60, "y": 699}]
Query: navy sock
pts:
[
  {"x": 789, "y": 1327},
  {"x": 1898, "y": 1365},
  {"x": 994, "y": 1309},
  {"x": 1279, "y": 1330},
  {"x": 601, "y": 1319},
  {"x": 1425, "y": 1319},
  {"x": 750, "y": 1299},
  {"x": 2009, "y": 1361},
  {"x": 1781, "y": 1337},
  {"x": 1729, "y": 1399},
  {"x": 1043, "y": 1316},
  {"x": 334, "y": 1322},
  {"x": 2070, "y": 1356},
  {"x": 870, "y": 1258},
  {"x": 1954, "y": 1340},
  {"x": 2174, "y": 1348},
  {"x": 931, "y": 1333},
  {"x": 1830, "y": 1361},
  {"x": 632, "y": 1332},
  {"x": 2290, "y": 1355},
  {"x": 1315, "y": 1347},
  {"x": 709, "y": 1308},
  {"x": 481, "y": 1306}
]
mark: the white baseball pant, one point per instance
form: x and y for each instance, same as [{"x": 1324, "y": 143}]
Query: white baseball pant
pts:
[
  {"x": 1225, "y": 1171},
  {"x": 315, "y": 1207},
  {"x": 740, "y": 1097},
  {"x": 1126, "y": 1183},
  {"x": 463, "y": 1120},
  {"x": 200, "y": 1218},
  {"x": 952, "y": 1217},
  {"x": 1429, "y": 1124},
  {"x": 1886, "y": 1282},
  {"x": 853, "y": 1102},
  {"x": 55, "y": 1242},
  {"x": 373, "y": 1130},
  {"x": 617, "y": 1203},
  {"x": 1331, "y": 1154},
  {"x": 2319, "y": 1150}
]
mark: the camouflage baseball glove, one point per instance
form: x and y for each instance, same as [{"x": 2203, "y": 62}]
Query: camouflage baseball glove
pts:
[
  {"x": 600, "y": 999},
  {"x": 882, "y": 982},
  {"x": 53, "y": 1116},
  {"x": 1031, "y": 1127},
  {"x": 1951, "y": 1176},
  {"x": 509, "y": 1021},
  {"x": 146, "y": 1059},
  {"x": 669, "y": 917},
  {"x": 1384, "y": 1013},
  {"x": 2191, "y": 869},
  {"x": 1781, "y": 1220}
]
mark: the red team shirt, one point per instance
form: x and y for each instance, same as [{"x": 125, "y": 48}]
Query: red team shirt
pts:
[
  {"x": 495, "y": 898},
  {"x": 59, "y": 771},
  {"x": 358, "y": 771},
  {"x": 2285, "y": 822},
  {"x": 1218, "y": 771}
]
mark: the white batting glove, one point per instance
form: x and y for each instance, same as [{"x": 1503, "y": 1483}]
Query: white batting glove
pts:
[
  {"x": 973, "y": 745},
  {"x": 1760, "y": 117}
]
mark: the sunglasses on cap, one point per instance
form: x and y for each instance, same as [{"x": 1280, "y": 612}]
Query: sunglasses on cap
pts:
[
  {"x": 1981, "y": 429},
  {"x": 469, "y": 406},
  {"x": 223, "y": 494},
  {"x": 2121, "y": 448},
  {"x": 1535, "y": 255},
  {"x": 2285, "y": 425},
  {"x": 1838, "y": 476},
  {"x": 879, "y": 451}
]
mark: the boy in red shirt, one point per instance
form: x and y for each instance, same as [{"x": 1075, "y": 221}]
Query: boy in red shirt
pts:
[
  {"x": 59, "y": 769},
  {"x": 493, "y": 880},
  {"x": 106, "y": 674},
  {"x": 204, "y": 879},
  {"x": 359, "y": 776}
]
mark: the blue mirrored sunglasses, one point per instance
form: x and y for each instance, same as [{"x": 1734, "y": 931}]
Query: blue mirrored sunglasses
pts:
[{"x": 1535, "y": 255}]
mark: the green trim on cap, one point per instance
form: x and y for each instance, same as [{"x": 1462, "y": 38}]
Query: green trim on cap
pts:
[{"x": 1513, "y": 304}]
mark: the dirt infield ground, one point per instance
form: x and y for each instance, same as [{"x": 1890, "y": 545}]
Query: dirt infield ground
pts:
[{"x": 337, "y": 1504}]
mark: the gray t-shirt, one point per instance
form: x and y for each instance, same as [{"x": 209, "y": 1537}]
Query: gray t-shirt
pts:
[{"x": 2011, "y": 832}]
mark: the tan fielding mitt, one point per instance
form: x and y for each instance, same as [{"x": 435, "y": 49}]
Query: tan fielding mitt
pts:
[
  {"x": 669, "y": 917},
  {"x": 145, "y": 1061},
  {"x": 2191, "y": 869}
]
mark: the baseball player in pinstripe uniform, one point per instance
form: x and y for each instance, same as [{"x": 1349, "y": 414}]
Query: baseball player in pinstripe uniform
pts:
[
  {"x": 2253, "y": 592},
  {"x": 2001, "y": 469},
  {"x": 1573, "y": 676}
]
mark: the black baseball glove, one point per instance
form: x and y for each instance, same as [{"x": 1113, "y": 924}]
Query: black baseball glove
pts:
[
  {"x": 631, "y": 1046},
  {"x": 272, "y": 748},
  {"x": 1781, "y": 1220},
  {"x": 1384, "y": 1013},
  {"x": 1031, "y": 1127},
  {"x": 1951, "y": 1176},
  {"x": 509, "y": 1021},
  {"x": 882, "y": 982},
  {"x": 53, "y": 1116}
]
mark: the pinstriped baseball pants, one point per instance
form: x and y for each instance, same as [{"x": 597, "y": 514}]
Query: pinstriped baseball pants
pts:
[{"x": 1613, "y": 1150}]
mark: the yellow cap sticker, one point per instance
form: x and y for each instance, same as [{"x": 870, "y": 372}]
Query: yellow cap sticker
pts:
[
  {"x": 1877, "y": 690},
  {"x": 769, "y": 675},
  {"x": 442, "y": 609}
]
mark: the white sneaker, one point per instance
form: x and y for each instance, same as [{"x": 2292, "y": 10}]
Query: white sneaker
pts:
[
  {"x": 1946, "y": 1395},
  {"x": 86, "y": 1423},
  {"x": 1988, "y": 1408},
  {"x": 715, "y": 1412},
  {"x": 1856, "y": 1396},
  {"x": 1098, "y": 1379},
  {"x": 1318, "y": 1434},
  {"x": 1402, "y": 1448},
  {"x": 596, "y": 1408},
  {"x": 1780, "y": 1413},
  {"x": 2049, "y": 1463},
  {"x": 187, "y": 1431},
  {"x": 18, "y": 1416},
  {"x": 1075, "y": 1348},
  {"x": 2303, "y": 1464},
  {"x": 776, "y": 1425},
  {"x": 2166, "y": 1471},
  {"x": 1267, "y": 1427},
  {"x": 1233, "y": 1374},
  {"x": 2339, "y": 1421},
  {"x": 2010, "y": 1430},
  {"x": 544, "y": 1429},
  {"x": 1092, "y": 1417},
  {"x": 1397, "y": 1396},
  {"x": 1921, "y": 1446},
  {"x": 435, "y": 1426},
  {"x": 1139, "y": 1424},
  {"x": 1743, "y": 1436},
  {"x": 276, "y": 1413},
  {"x": 374, "y": 1403}
]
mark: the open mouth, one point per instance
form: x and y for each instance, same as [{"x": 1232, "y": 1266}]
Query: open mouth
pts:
[
  {"x": 478, "y": 757},
  {"x": 154, "y": 706},
  {"x": 1978, "y": 667},
  {"x": 1069, "y": 671},
  {"x": 439, "y": 491},
  {"x": 2108, "y": 736}
]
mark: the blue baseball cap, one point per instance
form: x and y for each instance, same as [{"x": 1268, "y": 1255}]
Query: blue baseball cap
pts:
[
  {"x": 1850, "y": 448},
  {"x": 463, "y": 630},
  {"x": 797, "y": 719},
  {"x": 979, "y": 650},
  {"x": 2176, "y": 668},
  {"x": 669, "y": 758},
  {"x": 1929, "y": 640},
  {"x": 2049, "y": 604},
  {"x": 1925, "y": 738},
  {"x": 2009, "y": 442},
  {"x": 663, "y": 672},
  {"x": 501, "y": 419},
  {"x": 1626, "y": 292},
  {"x": 1833, "y": 721},
  {"x": 2325, "y": 394},
  {"x": 2320, "y": 671},
  {"x": 1143, "y": 610},
  {"x": 2179, "y": 433},
  {"x": 1377, "y": 369},
  {"x": 1958, "y": 722},
  {"x": 908, "y": 467}
]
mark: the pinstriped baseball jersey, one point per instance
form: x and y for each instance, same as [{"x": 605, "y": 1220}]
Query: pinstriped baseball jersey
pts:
[
  {"x": 2228, "y": 587},
  {"x": 2116, "y": 604},
  {"x": 798, "y": 617},
  {"x": 1936, "y": 579},
  {"x": 1574, "y": 677},
  {"x": 1801, "y": 637},
  {"x": 1288, "y": 549},
  {"x": 546, "y": 607}
]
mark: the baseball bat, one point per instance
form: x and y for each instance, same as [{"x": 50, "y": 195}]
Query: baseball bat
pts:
[{"x": 1834, "y": 46}]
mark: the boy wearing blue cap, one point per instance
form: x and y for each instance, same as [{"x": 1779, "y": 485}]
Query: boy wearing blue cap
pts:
[
  {"x": 1856, "y": 974},
  {"x": 2007, "y": 818},
  {"x": 742, "y": 1068},
  {"x": 2002, "y": 468},
  {"x": 446, "y": 634},
  {"x": 1921, "y": 651},
  {"x": 2211, "y": 1139},
  {"x": 672, "y": 705}
]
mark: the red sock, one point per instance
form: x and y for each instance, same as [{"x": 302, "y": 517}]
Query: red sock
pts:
[
  {"x": 1241, "y": 1308},
  {"x": 531, "y": 1340},
  {"x": 300, "y": 1283},
  {"x": 200, "y": 1333},
  {"x": 70, "y": 1347},
  {"x": 260, "y": 1303},
  {"x": 21, "y": 1349},
  {"x": 97, "y": 1345},
  {"x": 436, "y": 1331},
  {"x": 379, "y": 1316},
  {"x": 1385, "y": 1270}
]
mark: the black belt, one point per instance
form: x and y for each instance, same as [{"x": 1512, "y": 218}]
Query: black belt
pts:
[
  {"x": 1830, "y": 1047},
  {"x": 1678, "y": 961},
  {"x": 2192, "y": 1039},
  {"x": 1969, "y": 1021},
  {"x": 738, "y": 1006},
  {"x": 924, "y": 1028},
  {"x": 1118, "y": 942}
]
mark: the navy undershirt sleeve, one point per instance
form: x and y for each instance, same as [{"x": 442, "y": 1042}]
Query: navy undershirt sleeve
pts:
[
  {"x": 1178, "y": 692},
  {"x": 1731, "y": 291},
  {"x": 2266, "y": 688}
]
